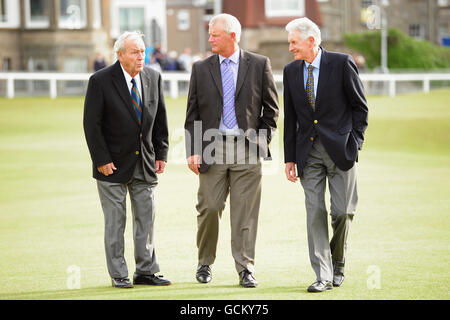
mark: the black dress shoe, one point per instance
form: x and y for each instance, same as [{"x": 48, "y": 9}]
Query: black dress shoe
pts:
[
  {"x": 204, "y": 274},
  {"x": 320, "y": 286},
  {"x": 123, "y": 283},
  {"x": 247, "y": 280},
  {"x": 338, "y": 279},
  {"x": 151, "y": 280},
  {"x": 338, "y": 276}
]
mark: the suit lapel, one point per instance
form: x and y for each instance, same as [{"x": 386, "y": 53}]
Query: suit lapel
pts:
[
  {"x": 122, "y": 88},
  {"x": 299, "y": 81},
  {"x": 214, "y": 68},
  {"x": 145, "y": 82},
  {"x": 324, "y": 74},
  {"x": 242, "y": 71}
]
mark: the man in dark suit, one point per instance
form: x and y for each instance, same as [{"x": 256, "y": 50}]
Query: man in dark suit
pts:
[
  {"x": 325, "y": 117},
  {"x": 126, "y": 131},
  {"x": 232, "y": 101}
]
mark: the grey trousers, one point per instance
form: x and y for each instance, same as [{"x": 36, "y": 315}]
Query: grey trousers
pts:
[
  {"x": 325, "y": 256},
  {"x": 113, "y": 200},
  {"x": 242, "y": 180}
]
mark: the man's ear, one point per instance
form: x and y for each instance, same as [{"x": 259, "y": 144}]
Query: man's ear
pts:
[{"x": 233, "y": 36}]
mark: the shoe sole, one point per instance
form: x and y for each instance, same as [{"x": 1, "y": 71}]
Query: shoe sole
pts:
[
  {"x": 317, "y": 291},
  {"x": 153, "y": 284}
]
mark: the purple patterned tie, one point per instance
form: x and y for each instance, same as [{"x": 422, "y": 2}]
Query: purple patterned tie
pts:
[{"x": 229, "y": 115}]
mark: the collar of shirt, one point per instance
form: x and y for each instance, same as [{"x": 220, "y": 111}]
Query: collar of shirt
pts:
[
  {"x": 316, "y": 62},
  {"x": 316, "y": 73},
  {"x": 128, "y": 80},
  {"x": 234, "y": 57}
]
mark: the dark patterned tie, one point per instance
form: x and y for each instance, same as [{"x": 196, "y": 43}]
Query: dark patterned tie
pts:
[
  {"x": 310, "y": 87},
  {"x": 137, "y": 101}
]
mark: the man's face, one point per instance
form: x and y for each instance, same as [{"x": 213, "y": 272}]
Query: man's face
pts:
[
  {"x": 221, "y": 42},
  {"x": 301, "y": 48},
  {"x": 133, "y": 56}
]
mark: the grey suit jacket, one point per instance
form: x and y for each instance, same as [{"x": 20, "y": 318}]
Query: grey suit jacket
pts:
[{"x": 256, "y": 100}]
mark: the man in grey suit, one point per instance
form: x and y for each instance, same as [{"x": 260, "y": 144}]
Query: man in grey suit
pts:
[
  {"x": 126, "y": 131},
  {"x": 232, "y": 101},
  {"x": 325, "y": 117}
]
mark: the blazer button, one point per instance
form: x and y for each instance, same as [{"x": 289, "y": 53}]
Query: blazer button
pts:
[
  {"x": 137, "y": 152},
  {"x": 315, "y": 121},
  {"x": 140, "y": 135},
  {"x": 312, "y": 138}
]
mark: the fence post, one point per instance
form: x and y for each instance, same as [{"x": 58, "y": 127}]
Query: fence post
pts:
[
  {"x": 174, "y": 88},
  {"x": 392, "y": 88},
  {"x": 426, "y": 84},
  {"x": 53, "y": 91},
  {"x": 10, "y": 88}
]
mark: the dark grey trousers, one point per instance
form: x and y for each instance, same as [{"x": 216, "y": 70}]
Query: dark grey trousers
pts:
[
  {"x": 113, "y": 200},
  {"x": 343, "y": 195}
]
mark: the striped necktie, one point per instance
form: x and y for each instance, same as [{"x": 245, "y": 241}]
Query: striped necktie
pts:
[
  {"x": 137, "y": 101},
  {"x": 310, "y": 87},
  {"x": 229, "y": 114}
]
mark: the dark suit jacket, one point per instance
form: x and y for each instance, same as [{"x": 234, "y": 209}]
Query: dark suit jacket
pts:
[
  {"x": 111, "y": 127},
  {"x": 341, "y": 111},
  {"x": 256, "y": 100}
]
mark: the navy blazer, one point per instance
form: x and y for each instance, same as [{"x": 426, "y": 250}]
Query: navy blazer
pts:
[
  {"x": 111, "y": 126},
  {"x": 340, "y": 117}
]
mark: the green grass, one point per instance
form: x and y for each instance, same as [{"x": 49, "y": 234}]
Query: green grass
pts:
[{"x": 50, "y": 215}]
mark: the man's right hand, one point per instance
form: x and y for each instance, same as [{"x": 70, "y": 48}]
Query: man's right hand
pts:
[
  {"x": 291, "y": 175},
  {"x": 107, "y": 169},
  {"x": 194, "y": 162}
]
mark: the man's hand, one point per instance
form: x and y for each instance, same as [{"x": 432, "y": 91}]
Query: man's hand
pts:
[
  {"x": 107, "y": 169},
  {"x": 194, "y": 163},
  {"x": 290, "y": 171},
  {"x": 160, "y": 165}
]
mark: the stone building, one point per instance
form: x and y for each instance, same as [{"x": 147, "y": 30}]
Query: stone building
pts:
[{"x": 66, "y": 35}]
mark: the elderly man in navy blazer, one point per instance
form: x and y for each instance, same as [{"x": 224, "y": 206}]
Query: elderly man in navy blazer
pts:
[
  {"x": 325, "y": 117},
  {"x": 125, "y": 125}
]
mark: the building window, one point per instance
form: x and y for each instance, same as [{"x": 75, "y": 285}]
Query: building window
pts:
[
  {"x": 37, "y": 13},
  {"x": 442, "y": 3},
  {"x": 417, "y": 30},
  {"x": 131, "y": 19},
  {"x": 367, "y": 3},
  {"x": 72, "y": 14},
  {"x": 183, "y": 20},
  {"x": 3, "y": 11},
  {"x": 97, "y": 23},
  {"x": 284, "y": 8}
]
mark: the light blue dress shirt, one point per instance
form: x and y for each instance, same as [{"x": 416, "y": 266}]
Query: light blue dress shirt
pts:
[
  {"x": 234, "y": 64},
  {"x": 316, "y": 70}
]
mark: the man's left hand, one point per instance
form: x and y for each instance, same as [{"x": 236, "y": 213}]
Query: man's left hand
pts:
[{"x": 160, "y": 165}]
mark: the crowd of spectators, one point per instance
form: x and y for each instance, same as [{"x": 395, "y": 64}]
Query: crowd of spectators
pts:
[{"x": 159, "y": 60}]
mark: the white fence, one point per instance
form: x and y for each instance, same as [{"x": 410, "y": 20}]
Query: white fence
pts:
[{"x": 175, "y": 78}]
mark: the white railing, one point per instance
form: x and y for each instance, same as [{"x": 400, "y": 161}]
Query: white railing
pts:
[{"x": 173, "y": 78}]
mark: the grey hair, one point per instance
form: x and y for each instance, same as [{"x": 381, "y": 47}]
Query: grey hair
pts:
[
  {"x": 119, "y": 45},
  {"x": 231, "y": 24},
  {"x": 307, "y": 29}
]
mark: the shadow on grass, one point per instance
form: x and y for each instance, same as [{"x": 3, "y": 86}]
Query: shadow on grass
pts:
[{"x": 177, "y": 291}]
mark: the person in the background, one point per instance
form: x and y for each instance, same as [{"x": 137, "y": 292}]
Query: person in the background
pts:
[
  {"x": 171, "y": 63},
  {"x": 231, "y": 93},
  {"x": 125, "y": 125},
  {"x": 185, "y": 60},
  {"x": 99, "y": 62},
  {"x": 325, "y": 117}
]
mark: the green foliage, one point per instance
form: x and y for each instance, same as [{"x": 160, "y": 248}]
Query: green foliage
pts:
[{"x": 404, "y": 52}]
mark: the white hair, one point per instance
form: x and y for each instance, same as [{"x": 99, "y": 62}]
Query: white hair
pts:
[
  {"x": 119, "y": 45},
  {"x": 231, "y": 24},
  {"x": 307, "y": 29}
]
